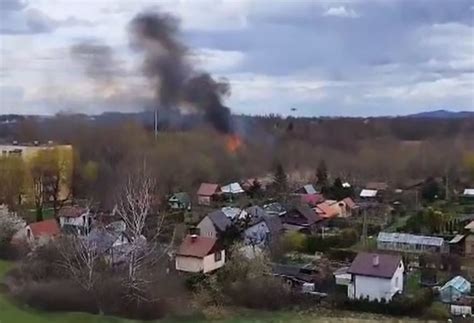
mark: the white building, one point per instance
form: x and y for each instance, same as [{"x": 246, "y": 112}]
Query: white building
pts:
[
  {"x": 375, "y": 276},
  {"x": 199, "y": 254},
  {"x": 405, "y": 242},
  {"x": 75, "y": 219}
]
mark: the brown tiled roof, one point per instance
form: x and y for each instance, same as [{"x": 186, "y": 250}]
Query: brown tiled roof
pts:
[
  {"x": 363, "y": 265},
  {"x": 72, "y": 211},
  {"x": 45, "y": 228},
  {"x": 207, "y": 189},
  {"x": 197, "y": 246}
]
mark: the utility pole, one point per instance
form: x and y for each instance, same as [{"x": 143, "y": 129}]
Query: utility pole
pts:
[{"x": 155, "y": 123}]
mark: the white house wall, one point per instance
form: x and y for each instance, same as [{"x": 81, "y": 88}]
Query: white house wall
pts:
[
  {"x": 189, "y": 264},
  {"x": 375, "y": 287},
  {"x": 210, "y": 264}
]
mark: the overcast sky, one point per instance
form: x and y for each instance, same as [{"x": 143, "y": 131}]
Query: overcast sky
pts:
[{"x": 357, "y": 57}]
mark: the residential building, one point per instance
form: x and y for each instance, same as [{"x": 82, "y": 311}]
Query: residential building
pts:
[
  {"x": 206, "y": 193},
  {"x": 214, "y": 224},
  {"x": 232, "y": 189},
  {"x": 368, "y": 194},
  {"x": 352, "y": 208},
  {"x": 275, "y": 208},
  {"x": 38, "y": 233},
  {"x": 180, "y": 201},
  {"x": 28, "y": 153},
  {"x": 261, "y": 227},
  {"x": 468, "y": 195},
  {"x": 469, "y": 240},
  {"x": 375, "y": 276},
  {"x": 300, "y": 217},
  {"x": 199, "y": 254},
  {"x": 455, "y": 290},
  {"x": 405, "y": 242},
  {"x": 306, "y": 189},
  {"x": 75, "y": 219}
]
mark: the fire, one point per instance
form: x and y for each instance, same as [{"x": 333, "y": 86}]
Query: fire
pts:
[{"x": 233, "y": 143}]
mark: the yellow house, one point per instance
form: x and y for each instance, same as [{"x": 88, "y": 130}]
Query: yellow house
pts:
[{"x": 57, "y": 159}]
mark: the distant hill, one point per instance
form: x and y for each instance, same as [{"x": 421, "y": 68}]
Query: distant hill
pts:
[{"x": 443, "y": 114}]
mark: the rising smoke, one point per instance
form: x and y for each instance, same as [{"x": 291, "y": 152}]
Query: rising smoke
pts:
[{"x": 176, "y": 81}]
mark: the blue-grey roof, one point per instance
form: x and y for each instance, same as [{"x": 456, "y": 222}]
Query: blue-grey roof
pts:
[
  {"x": 410, "y": 239},
  {"x": 220, "y": 220}
]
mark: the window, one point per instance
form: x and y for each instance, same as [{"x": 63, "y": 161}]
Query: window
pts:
[{"x": 218, "y": 256}]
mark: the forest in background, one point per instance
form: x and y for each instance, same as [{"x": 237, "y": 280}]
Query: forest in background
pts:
[{"x": 396, "y": 150}]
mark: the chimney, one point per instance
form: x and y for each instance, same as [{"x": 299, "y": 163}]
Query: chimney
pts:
[
  {"x": 194, "y": 237},
  {"x": 375, "y": 260}
]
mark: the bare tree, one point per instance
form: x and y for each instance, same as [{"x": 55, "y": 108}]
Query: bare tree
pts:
[
  {"x": 80, "y": 259},
  {"x": 134, "y": 206}
]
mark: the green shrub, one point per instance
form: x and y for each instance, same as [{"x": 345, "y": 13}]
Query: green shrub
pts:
[{"x": 437, "y": 311}]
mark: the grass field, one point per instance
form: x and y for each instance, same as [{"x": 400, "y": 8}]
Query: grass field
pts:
[{"x": 11, "y": 313}]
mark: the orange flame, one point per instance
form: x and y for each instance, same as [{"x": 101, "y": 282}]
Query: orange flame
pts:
[{"x": 233, "y": 143}]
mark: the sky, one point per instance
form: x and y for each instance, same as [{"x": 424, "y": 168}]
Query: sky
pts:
[{"x": 307, "y": 58}]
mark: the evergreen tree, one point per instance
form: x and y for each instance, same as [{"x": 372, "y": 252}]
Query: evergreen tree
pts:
[
  {"x": 322, "y": 174},
  {"x": 280, "y": 179}
]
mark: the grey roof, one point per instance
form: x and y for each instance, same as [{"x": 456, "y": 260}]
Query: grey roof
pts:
[
  {"x": 183, "y": 197},
  {"x": 256, "y": 211},
  {"x": 101, "y": 239},
  {"x": 273, "y": 223},
  {"x": 220, "y": 220},
  {"x": 410, "y": 239}
]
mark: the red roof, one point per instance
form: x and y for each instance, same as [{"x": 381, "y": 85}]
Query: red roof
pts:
[
  {"x": 45, "y": 228},
  {"x": 312, "y": 199},
  {"x": 197, "y": 246},
  {"x": 350, "y": 203},
  {"x": 207, "y": 189},
  {"x": 385, "y": 267},
  {"x": 327, "y": 210}
]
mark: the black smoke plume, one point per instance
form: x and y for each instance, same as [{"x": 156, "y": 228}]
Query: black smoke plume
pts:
[{"x": 156, "y": 35}]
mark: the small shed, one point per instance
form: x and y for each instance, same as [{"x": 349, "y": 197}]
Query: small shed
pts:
[
  {"x": 366, "y": 193},
  {"x": 206, "y": 192},
  {"x": 454, "y": 290},
  {"x": 180, "y": 201}
]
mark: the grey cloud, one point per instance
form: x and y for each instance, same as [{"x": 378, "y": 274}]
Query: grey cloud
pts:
[{"x": 18, "y": 18}]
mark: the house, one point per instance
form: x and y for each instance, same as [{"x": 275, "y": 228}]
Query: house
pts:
[
  {"x": 274, "y": 208},
  {"x": 75, "y": 219},
  {"x": 206, "y": 193},
  {"x": 261, "y": 227},
  {"x": 233, "y": 213},
  {"x": 468, "y": 195},
  {"x": 469, "y": 240},
  {"x": 352, "y": 208},
  {"x": 328, "y": 209},
  {"x": 300, "y": 217},
  {"x": 180, "y": 201},
  {"x": 111, "y": 241},
  {"x": 454, "y": 290},
  {"x": 311, "y": 199},
  {"x": 232, "y": 190},
  {"x": 368, "y": 194},
  {"x": 38, "y": 232},
  {"x": 306, "y": 189},
  {"x": 405, "y": 242},
  {"x": 214, "y": 224},
  {"x": 375, "y": 276},
  {"x": 199, "y": 254}
]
